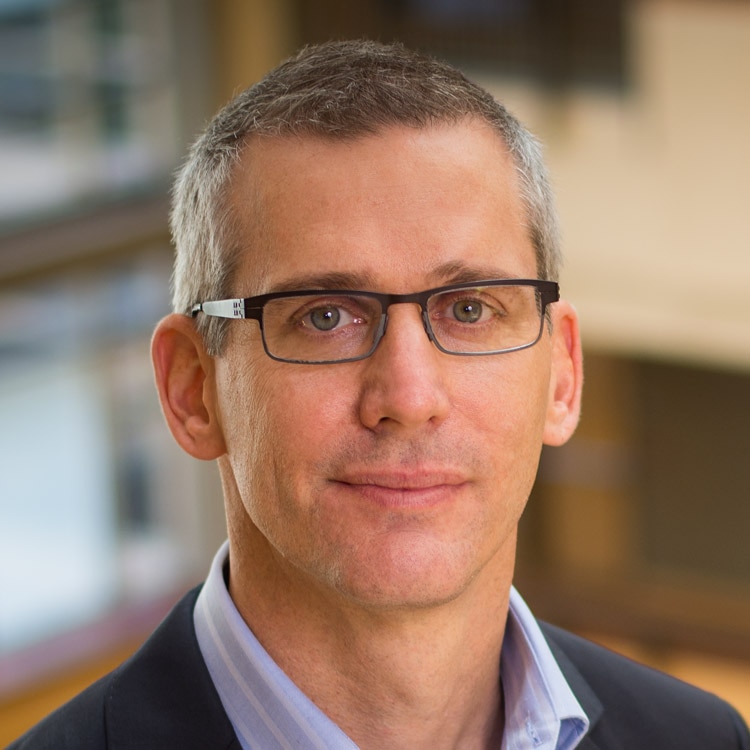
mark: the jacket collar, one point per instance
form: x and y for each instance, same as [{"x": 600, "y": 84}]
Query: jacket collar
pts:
[{"x": 164, "y": 697}]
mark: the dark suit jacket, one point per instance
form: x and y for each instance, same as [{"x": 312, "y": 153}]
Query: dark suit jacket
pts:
[{"x": 163, "y": 699}]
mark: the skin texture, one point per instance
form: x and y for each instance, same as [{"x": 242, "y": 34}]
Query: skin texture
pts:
[{"x": 372, "y": 506}]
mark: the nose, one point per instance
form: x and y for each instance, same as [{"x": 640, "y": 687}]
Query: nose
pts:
[{"x": 403, "y": 382}]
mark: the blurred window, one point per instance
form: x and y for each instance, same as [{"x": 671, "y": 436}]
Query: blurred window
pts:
[
  {"x": 87, "y": 100},
  {"x": 695, "y": 476},
  {"x": 89, "y": 509},
  {"x": 100, "y": 511},
  {"x": 554, "y": 42}
]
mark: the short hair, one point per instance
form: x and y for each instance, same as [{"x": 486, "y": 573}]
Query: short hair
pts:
[{"x": 337, "y": 90}]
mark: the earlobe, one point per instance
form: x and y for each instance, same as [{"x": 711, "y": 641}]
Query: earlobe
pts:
[
  {"x": 564, "y": 401},
  {"x": 184, "y": 379}
]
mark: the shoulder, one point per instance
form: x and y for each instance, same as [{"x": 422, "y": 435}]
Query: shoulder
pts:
[
  {"x": 78, "y": 724},
  {"x": 161, "y": 697},
  {"x": 636, "y": 706}
]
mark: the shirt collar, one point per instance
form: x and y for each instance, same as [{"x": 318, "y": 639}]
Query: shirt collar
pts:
[
  {"x": 268, "y": 711},
  {"x": 541, "y": 710}
]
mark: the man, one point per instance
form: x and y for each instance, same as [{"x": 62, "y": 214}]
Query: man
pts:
[{"x": 368, "y": 339}]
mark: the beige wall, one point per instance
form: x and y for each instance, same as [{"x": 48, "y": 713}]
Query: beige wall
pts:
[
  {"x": 653, "y": 186},
  {"x": 251, "y": 37}
]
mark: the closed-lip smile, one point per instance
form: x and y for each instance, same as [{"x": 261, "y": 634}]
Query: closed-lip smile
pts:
[{"x": 403, "y": 489}]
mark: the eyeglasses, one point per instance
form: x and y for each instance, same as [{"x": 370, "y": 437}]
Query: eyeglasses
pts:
[{"x": 320, "y": 327}]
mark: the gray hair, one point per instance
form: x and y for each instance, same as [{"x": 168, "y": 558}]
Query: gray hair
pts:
[{"x": 339, "y": 90}]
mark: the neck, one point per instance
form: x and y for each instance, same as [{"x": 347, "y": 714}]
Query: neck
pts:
[{"x": 389, "y": 677}]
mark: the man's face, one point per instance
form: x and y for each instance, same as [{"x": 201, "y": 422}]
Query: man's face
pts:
[{"x": 397, "y": 480}]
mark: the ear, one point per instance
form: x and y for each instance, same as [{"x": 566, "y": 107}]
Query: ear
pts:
[
  {"x": 184, "y": 374},
  {"x": 564, "y": 401}
]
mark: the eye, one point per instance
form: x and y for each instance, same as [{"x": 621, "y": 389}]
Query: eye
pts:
[
  {"x": 328, "y": 317},
  {"x": 468, "y": 311},
  {"x": 466, "y": 308},
  {"x": 325, "y": 318}
]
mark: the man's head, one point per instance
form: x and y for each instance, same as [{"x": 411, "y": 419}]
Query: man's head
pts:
[
  {"x": 338, "y": 91},
  {"x": 395, "y": 479}
]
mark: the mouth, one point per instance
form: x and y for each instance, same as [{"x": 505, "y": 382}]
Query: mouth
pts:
[{"x": 403, "y": 490}]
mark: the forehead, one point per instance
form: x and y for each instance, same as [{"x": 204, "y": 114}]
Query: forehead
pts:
[{"x": 396, "y": 208}]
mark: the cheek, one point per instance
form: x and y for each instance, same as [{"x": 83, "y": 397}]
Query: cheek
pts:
[
  {"x": 506, "y": 399},
  {"x": 244, "y": 401},
  {"x": 506, "y": 412},
  {"x": 280, "y": 422},
  {"x": 306, "y": 419}
]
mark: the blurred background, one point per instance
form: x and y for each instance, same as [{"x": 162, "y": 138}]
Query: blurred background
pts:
[{"x": 637, "y": 533}]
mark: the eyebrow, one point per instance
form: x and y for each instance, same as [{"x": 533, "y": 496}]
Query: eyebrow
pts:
[
  {"x": 459, "y": 272},
  {"x": 451, "y": 272},
  {"x": 332, "y": 280}
]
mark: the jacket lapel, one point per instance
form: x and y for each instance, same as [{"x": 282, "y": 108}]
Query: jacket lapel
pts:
[{"x": 164, "y": 697}]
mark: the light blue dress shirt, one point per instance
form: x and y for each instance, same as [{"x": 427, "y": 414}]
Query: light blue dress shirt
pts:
[{"x": 269, "y": 712}]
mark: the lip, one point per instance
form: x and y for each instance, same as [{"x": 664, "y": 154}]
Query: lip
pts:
[{"x": 403, "y": 489}]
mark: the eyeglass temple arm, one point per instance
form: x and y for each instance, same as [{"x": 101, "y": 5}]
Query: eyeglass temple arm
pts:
[{"x": 225, "y": 308}]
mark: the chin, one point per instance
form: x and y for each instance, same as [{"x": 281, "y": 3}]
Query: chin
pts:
[{"x": 402, "y": 579}]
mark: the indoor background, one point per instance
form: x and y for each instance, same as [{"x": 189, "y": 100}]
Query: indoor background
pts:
[{"x": 637, "y": 532}]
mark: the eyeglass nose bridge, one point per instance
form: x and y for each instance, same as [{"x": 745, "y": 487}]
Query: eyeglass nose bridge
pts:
[{"x": 382, "y": 327}]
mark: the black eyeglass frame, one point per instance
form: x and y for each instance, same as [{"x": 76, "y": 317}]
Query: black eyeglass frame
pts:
[{"x": 251, "y": 308}]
